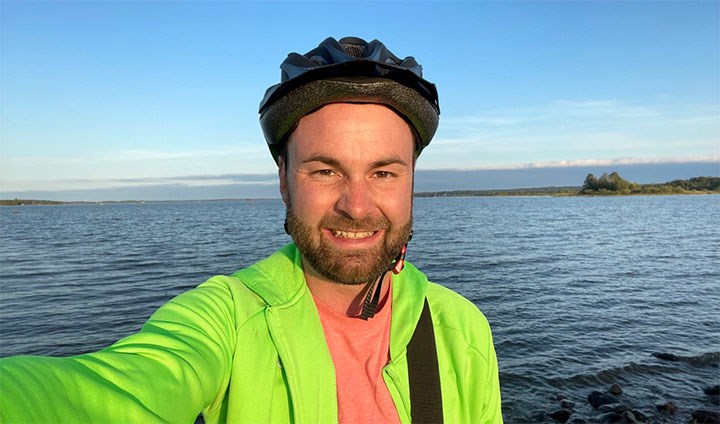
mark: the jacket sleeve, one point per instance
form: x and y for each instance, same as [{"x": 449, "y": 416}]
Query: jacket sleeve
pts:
[
  {"x": 467, "y": 360},
  {"x": 178, "y": 364},
  {"x": 490, "y": 387}
]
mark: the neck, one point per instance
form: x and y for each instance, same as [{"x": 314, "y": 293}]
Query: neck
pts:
[{"x": 342, "y": 298}]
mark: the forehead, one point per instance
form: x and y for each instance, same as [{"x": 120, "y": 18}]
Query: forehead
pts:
[{"x": 352, "y": 130}]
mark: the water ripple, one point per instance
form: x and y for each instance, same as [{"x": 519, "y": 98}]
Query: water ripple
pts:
[{"x": 581, "y": 293}]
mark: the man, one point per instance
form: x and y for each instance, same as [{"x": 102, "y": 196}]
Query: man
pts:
[{"x": 334, "y": 327}]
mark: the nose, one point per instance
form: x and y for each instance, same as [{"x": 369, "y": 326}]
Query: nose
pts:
[{"x": 356, "y": 200}]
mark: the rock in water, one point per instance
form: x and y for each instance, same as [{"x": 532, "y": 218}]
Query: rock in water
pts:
[
  {"x": 617, "y": 408},
  {"x": 667, "y": 407},
  {"x": 639, "y": 416},
  {"x": 596, "y": 399},
  {"x": 667, "y": 356},
  {"x": 615, "y": 390},
  {"x": 561, "y": 415},
  {"x": 629, "y": 417},
  {"x": 611, "y": 417},
  {"x": 713, "y": 393},
  {"x": 712, "y": 390},
  {"x": 607, "y": 408},
  {"x": 706, "y": 417},
  {"x": 567, "y": 404}
]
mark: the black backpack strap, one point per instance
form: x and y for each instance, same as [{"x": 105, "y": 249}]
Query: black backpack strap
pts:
[{"x": 423, "y": 372}]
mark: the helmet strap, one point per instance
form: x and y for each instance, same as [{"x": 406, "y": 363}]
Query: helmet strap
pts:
[{"x": 372, "y": 298}]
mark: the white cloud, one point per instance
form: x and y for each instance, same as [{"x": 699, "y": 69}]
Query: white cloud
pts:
[
  {"x": 180, "y": 181},
  {"x": 569, "y": 130},
  {"x": 128, "y": 167},
  {"x": 561, "y": 133},
  {"x": 559, "y": 110},
  {"x": 587, "y": 162}
]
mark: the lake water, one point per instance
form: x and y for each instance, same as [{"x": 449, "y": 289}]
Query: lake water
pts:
[{"x": 580, "y": 292}]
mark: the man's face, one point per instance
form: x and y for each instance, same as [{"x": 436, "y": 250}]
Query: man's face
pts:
[{"x": 348, "y": 189}]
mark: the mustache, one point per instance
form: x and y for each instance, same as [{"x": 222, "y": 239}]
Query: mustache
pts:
[{"x": 338, "y": 222}]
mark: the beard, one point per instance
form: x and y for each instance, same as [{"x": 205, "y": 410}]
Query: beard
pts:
[{"x": 350, "y": 267}]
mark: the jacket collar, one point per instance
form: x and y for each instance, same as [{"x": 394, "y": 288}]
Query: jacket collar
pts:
[
  {"x": 280, "y": 282},
  {"x": 278, "y": 279}
]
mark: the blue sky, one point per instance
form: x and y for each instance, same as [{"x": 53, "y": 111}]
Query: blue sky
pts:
[{"x": 110, "y": 95}]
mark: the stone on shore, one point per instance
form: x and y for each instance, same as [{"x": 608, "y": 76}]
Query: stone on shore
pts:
[
  {"x": 615, "y": 390},
  {"x": 567, "y": 404},
  {"x": 706, "y": 417},
  {"x": 639, "y": 416},
  {"x": 668, "y": 407},
  {"x": 596, "y": 399},
  {"x": 626, "y": 417},
  {"x": 611, "y": 417},
  {"x": 614, "y": 407},
  {"x": 561, "y": 415}
]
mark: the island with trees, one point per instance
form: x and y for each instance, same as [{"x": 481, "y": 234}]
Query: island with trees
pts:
[
  {"x": 606, "y": 185},
  {"x": 614, "y": 184}
]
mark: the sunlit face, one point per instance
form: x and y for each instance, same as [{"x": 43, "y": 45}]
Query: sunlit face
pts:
[{"x": 348, "y": 189}]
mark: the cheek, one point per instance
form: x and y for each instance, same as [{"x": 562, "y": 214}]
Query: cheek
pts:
[
  {"x": 310, "y": 202},
  {"x": 397, "y": 206}
]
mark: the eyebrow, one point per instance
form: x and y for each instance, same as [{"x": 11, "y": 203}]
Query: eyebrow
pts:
[
  {"x": 334, "y": 162},
  {"x": 323, "y": 159},
  {"x": 389, "y": 161}
]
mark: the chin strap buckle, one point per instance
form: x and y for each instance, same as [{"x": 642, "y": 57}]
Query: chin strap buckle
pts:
[{"x": 400, "y": 261}]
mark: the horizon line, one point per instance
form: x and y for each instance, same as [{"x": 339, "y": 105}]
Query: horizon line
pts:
[{"x": 212, "y": 179}]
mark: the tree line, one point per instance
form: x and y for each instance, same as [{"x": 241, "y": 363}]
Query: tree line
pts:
[{"x": 613, "y": 183}]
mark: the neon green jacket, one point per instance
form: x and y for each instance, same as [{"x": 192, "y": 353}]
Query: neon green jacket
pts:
[{"x": 249, "y": 348}]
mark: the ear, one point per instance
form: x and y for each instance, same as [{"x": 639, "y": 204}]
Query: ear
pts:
[{"x": 283, "y": 180}]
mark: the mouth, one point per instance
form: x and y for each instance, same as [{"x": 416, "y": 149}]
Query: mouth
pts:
[{"x": 352, "y": 235}]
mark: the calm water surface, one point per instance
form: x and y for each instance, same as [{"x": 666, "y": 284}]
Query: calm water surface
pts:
[{"x": 580, "y": 292}]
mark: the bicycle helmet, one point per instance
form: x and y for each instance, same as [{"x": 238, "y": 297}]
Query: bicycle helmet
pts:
[{"x": 348, "y": 71}]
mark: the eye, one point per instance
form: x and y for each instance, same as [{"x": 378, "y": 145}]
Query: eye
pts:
[
  {"x": 384, "y": 174},
  {"x": 324, "y": 173}
]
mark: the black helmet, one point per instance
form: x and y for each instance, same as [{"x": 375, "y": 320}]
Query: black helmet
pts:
[{"x": 348, "y": 71}]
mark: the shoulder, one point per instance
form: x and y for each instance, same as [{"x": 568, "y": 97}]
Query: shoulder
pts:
[
  {"x": 449, "y": 309},
  {"x": 221, "y": 299},
  {"x": 451, "y": 305},
  {"x": 457, "y": 320}
]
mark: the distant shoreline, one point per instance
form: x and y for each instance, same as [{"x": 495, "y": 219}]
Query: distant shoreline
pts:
[
  {"x": 538, "y": 191},
  {"x": 547, "y": 192},
  {"x": 520, "y": 192},
  {"x": 38, "y": 202}
]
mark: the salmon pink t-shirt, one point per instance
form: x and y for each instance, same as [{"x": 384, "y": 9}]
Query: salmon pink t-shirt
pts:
[{"x": 360, "y": 349}]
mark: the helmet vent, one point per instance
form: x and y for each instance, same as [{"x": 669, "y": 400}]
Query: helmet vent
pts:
[
  {"x": 354, "y": 50},
  {"x": 354, "y": 46}
]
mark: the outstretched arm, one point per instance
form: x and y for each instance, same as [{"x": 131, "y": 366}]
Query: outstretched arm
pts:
[{"x": 175, "y": 366}]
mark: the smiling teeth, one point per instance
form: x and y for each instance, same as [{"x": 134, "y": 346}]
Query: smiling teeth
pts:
[{"x": 352, "y": 235}]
